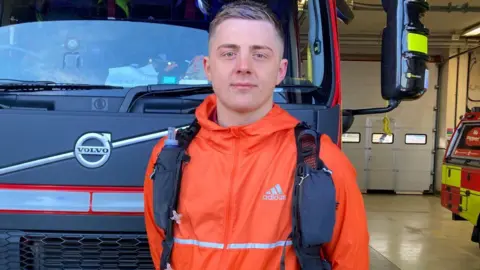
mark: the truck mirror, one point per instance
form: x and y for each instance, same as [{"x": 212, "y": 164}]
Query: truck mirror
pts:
[
  {"x": 347, "y": 120},
  {"x": 404, "y": 74}
]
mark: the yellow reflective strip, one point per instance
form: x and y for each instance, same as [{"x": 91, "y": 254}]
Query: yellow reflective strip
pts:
[
  {"x": 444, "y": 174},
  {"x": 123, "y": 4},
  {"x": 417, "y": 43},
  {"x": 309, "y": 64}
]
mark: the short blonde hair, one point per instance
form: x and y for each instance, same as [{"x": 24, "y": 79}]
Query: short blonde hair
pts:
[{"x": 247, "y": 10}]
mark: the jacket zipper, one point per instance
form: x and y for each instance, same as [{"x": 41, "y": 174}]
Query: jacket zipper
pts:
[{"x": 226, "y": 233}]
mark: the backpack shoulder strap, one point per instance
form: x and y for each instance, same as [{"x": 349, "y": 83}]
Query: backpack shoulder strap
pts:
[
  {"x": 307, "y": 141},
  {"x": 186, "y": 136},
  {"x": 313, "y": 202},
  {"x": 167, "y": 177}
]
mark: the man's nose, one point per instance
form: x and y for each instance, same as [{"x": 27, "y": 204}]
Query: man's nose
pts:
[{"x": 244, "y": 63}]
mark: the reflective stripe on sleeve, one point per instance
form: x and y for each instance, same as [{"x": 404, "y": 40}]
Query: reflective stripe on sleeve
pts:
[
  {"x": 259, "y": 245},
  {"x": 232, "y": 245},
  {"x": 198, "y": 243}
]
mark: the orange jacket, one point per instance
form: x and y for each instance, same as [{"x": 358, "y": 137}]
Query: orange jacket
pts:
[{"x": 222, "y": 199}]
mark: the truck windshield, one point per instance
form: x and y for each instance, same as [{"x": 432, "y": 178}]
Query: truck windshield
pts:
[
  {"x": 113, "y": 42},
  {"x": 466, "y": 143}
]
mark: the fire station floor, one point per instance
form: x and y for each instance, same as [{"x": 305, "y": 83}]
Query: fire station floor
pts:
[{"x": 415, "y": 232}]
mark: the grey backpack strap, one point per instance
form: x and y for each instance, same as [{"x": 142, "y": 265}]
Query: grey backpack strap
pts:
[
  {"x": 313, "y": 202},
  {"x": 167, "y": 178}
]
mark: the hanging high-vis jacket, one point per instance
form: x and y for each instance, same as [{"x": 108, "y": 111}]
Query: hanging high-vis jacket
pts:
[{"x": 240, "y": 199}]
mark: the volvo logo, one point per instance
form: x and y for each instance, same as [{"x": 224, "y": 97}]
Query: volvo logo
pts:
[{"x": 93, "y": 150}]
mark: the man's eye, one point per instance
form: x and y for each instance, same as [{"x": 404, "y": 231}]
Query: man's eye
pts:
[
  {"x": 260, "y": 55},
  {"x": 228, "y": 54}
]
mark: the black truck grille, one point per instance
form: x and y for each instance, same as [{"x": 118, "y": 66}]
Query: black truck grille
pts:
[{"x": 57, "y": 251}]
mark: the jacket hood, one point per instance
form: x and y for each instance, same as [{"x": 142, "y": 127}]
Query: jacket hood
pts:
[{"x": 252, "y": 135}]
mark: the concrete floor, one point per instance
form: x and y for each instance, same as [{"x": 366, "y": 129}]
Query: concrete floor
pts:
[{"x": 415, "y": 232}]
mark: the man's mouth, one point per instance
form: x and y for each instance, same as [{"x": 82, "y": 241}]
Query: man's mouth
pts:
[{"x": 243, "y": 85}]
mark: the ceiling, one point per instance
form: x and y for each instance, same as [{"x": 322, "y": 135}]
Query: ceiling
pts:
[{"x": 446, "y": 20}]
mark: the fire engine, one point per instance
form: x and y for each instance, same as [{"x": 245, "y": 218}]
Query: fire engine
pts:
[
  {"x": 88, "y": 87},
  {"x": 460, "y": 191}
]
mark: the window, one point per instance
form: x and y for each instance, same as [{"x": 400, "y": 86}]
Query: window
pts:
[
  {"x": 351, "y": 137},
  {"x": 382, "y": 138},
  {"x": 467, "y": 144},
  {"x": 416, "y": 139},
  {"x": 146, "y": 42}
]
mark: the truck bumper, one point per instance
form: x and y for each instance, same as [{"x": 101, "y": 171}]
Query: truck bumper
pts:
[{"x": 40, "y": 242}]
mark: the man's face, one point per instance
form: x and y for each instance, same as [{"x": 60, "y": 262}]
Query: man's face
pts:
[{"x": 245, "y": 64}]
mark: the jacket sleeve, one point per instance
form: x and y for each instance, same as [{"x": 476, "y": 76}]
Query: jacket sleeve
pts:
[
  {"x": 154, "y": 233},
  {"x": 349, "y": 247}
]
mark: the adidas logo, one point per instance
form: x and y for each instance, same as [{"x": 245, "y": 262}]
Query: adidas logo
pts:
[{"x": 275, "y": 194}]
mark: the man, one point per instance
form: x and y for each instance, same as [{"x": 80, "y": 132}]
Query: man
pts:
[{"x": 246, "y": 148}]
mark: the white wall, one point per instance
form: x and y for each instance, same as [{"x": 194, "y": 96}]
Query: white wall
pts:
[
  {"x": 445, "y": 99},
  {"x": 454, "y": 88},
  {"x": 474, "y": 83}
]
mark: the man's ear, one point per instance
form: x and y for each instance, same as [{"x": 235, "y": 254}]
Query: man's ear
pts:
[
  {"x": 282, "y": 70},
  {"x": 206, "y": 67}
]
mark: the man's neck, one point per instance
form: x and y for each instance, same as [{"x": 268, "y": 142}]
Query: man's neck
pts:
[{"x": 228, "y": 118}]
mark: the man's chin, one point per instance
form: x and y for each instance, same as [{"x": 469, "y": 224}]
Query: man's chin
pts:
[
  {"x": 243, "y": 108},
  {"x": 242, "y": 103}
]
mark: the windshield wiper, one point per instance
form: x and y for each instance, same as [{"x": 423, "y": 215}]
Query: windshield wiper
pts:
[
  {"x": 164, "y": 90},
  {"x": 178, "y": 89},
  {"x": 33, "y": 86},
  {"x": 6, "y": 81}
]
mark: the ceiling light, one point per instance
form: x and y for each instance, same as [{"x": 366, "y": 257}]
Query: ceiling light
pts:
[{"x": 474, "y": 31}]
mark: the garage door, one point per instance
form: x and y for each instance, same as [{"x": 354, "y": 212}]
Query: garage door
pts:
[{"x": 402, "y": 161}]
